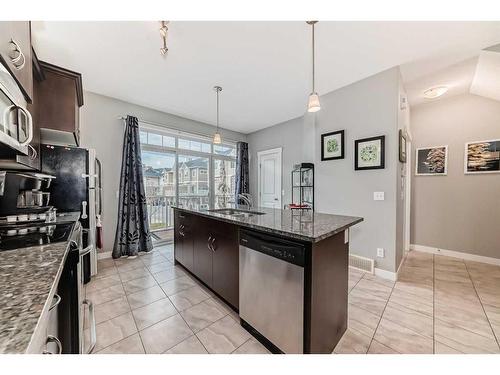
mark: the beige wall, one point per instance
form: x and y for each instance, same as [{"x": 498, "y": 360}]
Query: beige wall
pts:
[
  {"x": 456, "y": 212},
  {"x": 363, "y": 109},
  {"x": 102, "y": 130}
]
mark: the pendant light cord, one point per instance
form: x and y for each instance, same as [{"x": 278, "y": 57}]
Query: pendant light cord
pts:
[
  {"x": 313, "y": 87},
  {"x": 217, "y": 110}
]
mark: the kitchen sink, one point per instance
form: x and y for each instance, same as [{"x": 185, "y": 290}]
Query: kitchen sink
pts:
[{"x": 236, "y": 212}]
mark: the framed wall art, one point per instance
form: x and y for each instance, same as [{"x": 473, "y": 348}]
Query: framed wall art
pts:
[
  {"x": 332, "y": 145},
  {"x": 431, "y": 161},
  {"x": 482, "y": 157},
  {"x": 369, "y": 153}
]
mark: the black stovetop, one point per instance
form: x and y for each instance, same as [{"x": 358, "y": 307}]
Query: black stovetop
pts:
[{"x": 55, "y": 233}]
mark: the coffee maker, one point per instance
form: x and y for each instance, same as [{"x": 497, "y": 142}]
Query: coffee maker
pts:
[{"x": 25, "y": 204}]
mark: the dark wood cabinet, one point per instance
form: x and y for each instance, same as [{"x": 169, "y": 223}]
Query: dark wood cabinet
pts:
[
  {"x": 60, "y": 93},
  {"x": 225, "y": 262},
  {"x": 210, "y": 250},
  {"x": 202, "y": 251},
  {"x": 16, "y": 53},
  {"x": 184, "y": 238}
]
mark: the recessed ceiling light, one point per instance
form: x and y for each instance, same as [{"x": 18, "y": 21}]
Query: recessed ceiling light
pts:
[{"x": 435, "y": 92}]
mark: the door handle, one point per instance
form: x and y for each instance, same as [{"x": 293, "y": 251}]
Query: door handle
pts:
[
  {"x": 29, "y": 126},
  {"x": 84, "y": 210},
  {"x": 56, "y": 302},
  {"x": 51, "y": 338}
]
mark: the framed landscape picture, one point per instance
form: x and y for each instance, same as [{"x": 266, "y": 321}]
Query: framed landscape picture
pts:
[
  {"x": 432, "y": 161},
  {"x": 482, "y": 157},
  {"x": 332, "y": 145},
  {"x": 369, "y": 153},
  {"x": 402, "y": 146}
]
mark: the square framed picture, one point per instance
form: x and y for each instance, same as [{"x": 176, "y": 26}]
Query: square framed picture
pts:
[
  {"x": 332, "y": 145},
  {"x": 402, "y": 146},
  {"x": 482, "y": 157},
  {"x": 432, "y": 161},
  {"x": 369, "y": 153}
]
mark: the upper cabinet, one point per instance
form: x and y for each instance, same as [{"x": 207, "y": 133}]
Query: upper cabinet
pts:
[
  {"x": 59, "y": 94},
  {"x": 16, "y": 54}
]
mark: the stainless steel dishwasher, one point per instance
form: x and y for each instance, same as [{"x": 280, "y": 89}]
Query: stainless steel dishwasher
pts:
[{"x": 272, "y": 289}]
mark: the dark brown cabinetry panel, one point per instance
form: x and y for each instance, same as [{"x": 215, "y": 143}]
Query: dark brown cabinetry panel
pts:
[
  {"x": 210, "y": 250},
  {"x": 225, "y": 262},
  {"x": 184, "y": 238},
  {"x": 15, "y": 43},
  {"x": 60, "y": 94}
]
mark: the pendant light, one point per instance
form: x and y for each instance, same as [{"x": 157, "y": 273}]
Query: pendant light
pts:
[
  {"x": 313, "y": 104},
  {"x": 217, "y": 138}
]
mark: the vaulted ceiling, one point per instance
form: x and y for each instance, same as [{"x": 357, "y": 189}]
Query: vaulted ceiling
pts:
[{"x": 263, "y": 67}]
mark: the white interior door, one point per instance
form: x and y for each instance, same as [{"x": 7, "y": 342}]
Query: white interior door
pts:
[{"x": 269, "y": 178}]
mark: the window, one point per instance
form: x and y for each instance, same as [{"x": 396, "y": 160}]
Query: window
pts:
[{"x": 186, "y": 170}]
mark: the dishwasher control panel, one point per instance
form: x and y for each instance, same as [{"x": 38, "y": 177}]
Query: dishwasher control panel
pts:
[{"x": 289, "y": 251}]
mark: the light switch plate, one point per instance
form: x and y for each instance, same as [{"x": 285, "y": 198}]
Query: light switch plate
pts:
[
  {"x": 378, "y": 196},
  {"x": 380, "y": 252}
]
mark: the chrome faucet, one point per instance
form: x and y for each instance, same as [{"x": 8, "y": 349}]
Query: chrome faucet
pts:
[{"x": 247, "y": 198}]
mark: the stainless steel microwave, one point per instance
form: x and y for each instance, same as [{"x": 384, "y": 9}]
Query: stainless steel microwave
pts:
[{"x": 16, "y": 124}]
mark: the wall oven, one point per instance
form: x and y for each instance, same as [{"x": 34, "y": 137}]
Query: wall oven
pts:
[{"x": 16, "y": 124}]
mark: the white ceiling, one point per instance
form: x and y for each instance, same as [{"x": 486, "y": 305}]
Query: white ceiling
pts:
[
  {"x": 263, "y": 67},
  {"x": 457, "y": 77},
  {"x": 486, "y": 80}
]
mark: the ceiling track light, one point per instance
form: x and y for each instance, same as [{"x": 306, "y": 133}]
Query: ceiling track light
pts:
[
  {"x": 313, "y": 103},
  {"x": 217, "y": 138},
  {"x": 163, "y": 35}
]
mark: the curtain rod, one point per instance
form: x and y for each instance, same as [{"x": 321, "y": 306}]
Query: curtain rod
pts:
[{"x": 177, "y": 129}]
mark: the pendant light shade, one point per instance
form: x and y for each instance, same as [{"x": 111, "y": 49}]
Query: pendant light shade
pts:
[
  {"x": 313, "y": 103},
  {"x": 217, "y": 138}
]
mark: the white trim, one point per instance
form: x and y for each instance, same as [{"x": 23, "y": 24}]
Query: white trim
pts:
[
  {"x": 386, "y": 274},
  {"x": 465, "y": 157},
  {"x": 279, "y": 151},
  {"x": 455, "y": 254},
  {"x": 432, "y": 174},
  {"x": 104, "y": 255}
]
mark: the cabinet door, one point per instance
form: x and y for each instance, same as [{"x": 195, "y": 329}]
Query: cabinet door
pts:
[
  {"x": 15, "y": 51},
  {"x": 225, "y": 262},
  {"x": 183, "y": 239},
  {"x": 202, "y": 266}
]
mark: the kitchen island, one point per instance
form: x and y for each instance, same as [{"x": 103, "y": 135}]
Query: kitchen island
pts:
[{"x": 284, "y": 271}]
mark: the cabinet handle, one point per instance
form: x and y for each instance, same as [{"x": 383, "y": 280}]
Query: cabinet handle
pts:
[
  {"x": 93, "y": 336},
  {"x": 20, "y": 57},
  {"x": 214, "y": 247},
  {"x": 57, "y": 302},
  {"x": 29, "y": 125},
  {"x": 51, "y": 338},
  {"x": 209, "y": 243},
  {"x": 34, "y": 154}
]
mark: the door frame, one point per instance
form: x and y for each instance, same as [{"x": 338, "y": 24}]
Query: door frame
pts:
[
  {"x": 407, "y": 208},
  {"x": 279, "y": 151}
]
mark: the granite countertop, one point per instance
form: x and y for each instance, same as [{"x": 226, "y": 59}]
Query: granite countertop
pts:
[
  {"x": 28, "y": 278},
  {"x": 308, "y": 226}
]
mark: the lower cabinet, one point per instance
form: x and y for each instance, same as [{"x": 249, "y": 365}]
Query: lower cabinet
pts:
[
  {"x": 184, "y": 227},
  {"x": 210, "y": 250}
]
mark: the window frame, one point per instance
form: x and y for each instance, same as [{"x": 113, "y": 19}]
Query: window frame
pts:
[{"x": 212, "y": 156}]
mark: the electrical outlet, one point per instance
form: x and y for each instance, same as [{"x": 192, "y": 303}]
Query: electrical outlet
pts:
[
  {"x": 378, "y": 196},
  {"x": 380, "y": 252}
]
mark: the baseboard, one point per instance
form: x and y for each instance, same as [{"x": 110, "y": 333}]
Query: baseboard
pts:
[
  {"x": 393, "y": 276},
  {"x": 455, "y": 254},
  {"x": 103, "y": 255}
]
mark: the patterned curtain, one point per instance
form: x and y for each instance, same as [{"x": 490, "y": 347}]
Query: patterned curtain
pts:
[
  {"x": 242, "y": 170},
  {"x": 132, "y": 230}
]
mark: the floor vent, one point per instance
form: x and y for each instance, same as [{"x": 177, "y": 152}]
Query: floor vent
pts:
[{"x": 361, "y": 263}]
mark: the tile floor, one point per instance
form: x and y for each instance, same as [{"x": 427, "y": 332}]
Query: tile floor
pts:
[{"x": 438, "y": 305}]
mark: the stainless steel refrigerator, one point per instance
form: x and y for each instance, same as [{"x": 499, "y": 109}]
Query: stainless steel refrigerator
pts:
[{"x": 76, "y": 188}]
